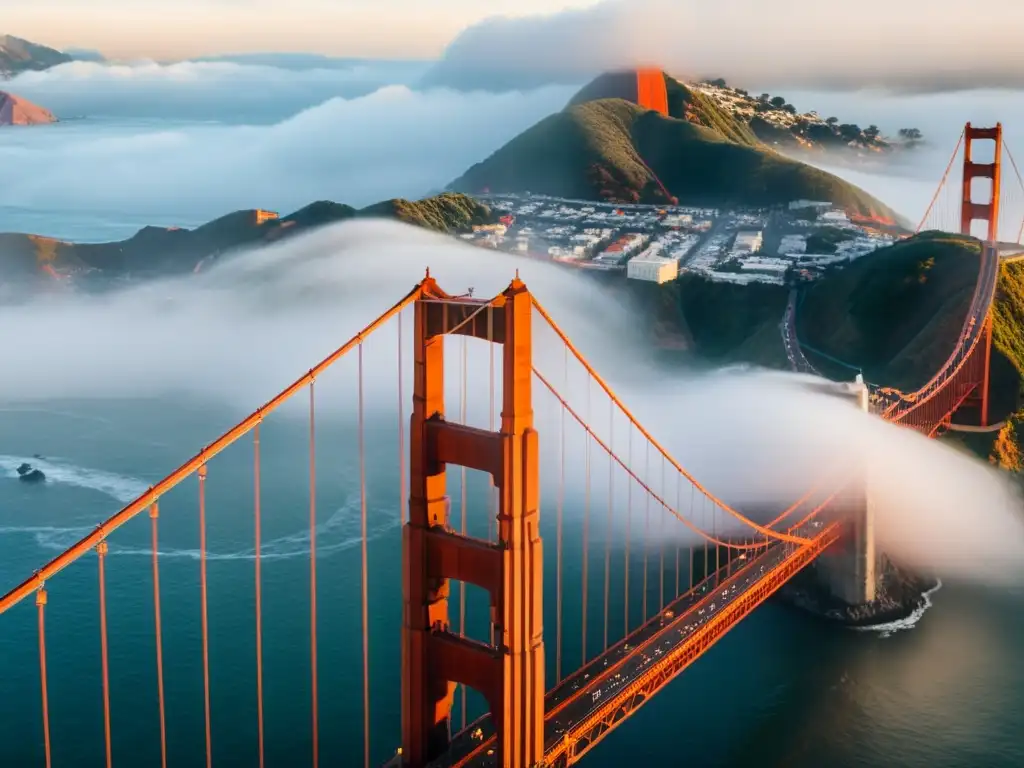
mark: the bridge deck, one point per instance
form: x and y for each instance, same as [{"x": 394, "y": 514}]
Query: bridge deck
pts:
[{"x": 586, "y": 705}]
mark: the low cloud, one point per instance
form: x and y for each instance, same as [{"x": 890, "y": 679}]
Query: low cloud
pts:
[
  {"x": 393, "y": 142},
  {"x": 244, "y": 90},
  {"x": 913, "y": 45}
]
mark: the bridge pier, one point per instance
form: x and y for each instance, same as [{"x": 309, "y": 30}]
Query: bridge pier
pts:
[{"x": 849, "y": 568}]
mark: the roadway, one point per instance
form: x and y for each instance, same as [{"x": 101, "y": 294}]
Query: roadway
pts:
[
  {"x": 797, "y": 360},
  {"x": 974, "y": 325},
  {"x": 581, "y": 696}
]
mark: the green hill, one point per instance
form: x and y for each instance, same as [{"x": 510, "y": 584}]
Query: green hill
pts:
[
  {"x": 613, "y": 150},
  {"x": 896, "y": 314},
  {"x": 156, "y": 250}
]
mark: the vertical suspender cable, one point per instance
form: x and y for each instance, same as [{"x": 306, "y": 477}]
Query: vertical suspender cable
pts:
[
  {"x": 608, "y": 526},
  {"x": 647, "y": 522},
  {"x": 558, "y": 542},
  {"x": 205, "y": 619},
  {"x": 101, "y": 550},
  {"x": 258, "y": 553},
  {"x": 679, "y": 485},
  {"x": 41, "y": 604},
  {"x": 661, "y": 543},
  {"x": 366, "y": 572},
  {"x": 689, "y": 580},
  {"x": 629, "y": 525},
  {"x": 401, "y": 431},
  {"x": 492, "y": 489},
  {"x": 312, "y": 575},
  {"x": 586, "y": 526},
  {"x": 462, "y": 585},
  {"x": 154, "y": 514}
]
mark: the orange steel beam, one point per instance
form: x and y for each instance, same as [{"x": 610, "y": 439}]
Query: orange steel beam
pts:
[
  {"x": 151, "y": 496},
  {"x": 618, "y": 707},
  {"x": 608, "y": 663},
  {"x": 650, "y": 438},
  {"x": 510, "y": 672},
  {"x": 989, "y": 212}
]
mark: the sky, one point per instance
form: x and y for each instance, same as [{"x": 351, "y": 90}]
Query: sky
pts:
[{"x": 164, "y": 29}]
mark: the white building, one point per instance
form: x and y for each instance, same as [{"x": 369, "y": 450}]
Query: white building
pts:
[
  {"x": 836, "y": 216},
  {"x": 652, "y": 266},
  {"x": 748, "y": 242}
]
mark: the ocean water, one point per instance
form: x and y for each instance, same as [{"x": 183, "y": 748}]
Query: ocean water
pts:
[{"x": 782, "y": 689}]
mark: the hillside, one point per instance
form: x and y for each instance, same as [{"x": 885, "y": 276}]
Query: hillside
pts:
[
  {"x": 613, "y": 150},
  {"x": 156, "y": 250},
  {"x": 895, "y": 313},
  {"x": 777, "y": 122},
  {"x": 17, "y": 56},
  {"x": 15, "y": 110}
]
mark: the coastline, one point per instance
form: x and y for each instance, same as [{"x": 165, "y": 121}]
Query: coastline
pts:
[{"x": 903, "y": 598}]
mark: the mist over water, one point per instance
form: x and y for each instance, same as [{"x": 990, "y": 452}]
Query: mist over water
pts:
[{"x": 248, "y": 327}]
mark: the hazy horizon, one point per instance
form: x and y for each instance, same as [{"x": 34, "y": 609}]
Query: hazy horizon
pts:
[{"x": 924, "y": 44}]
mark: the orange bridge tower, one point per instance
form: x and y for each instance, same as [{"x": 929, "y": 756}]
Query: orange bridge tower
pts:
[
  {"x": 510, "y": 672},
  {"x": 971, "y": 211}
]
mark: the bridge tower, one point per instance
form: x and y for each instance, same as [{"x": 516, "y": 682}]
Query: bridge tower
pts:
[
  {"x": 509, "y": 674},
  {"x": 850, "y": 566},
  {"x": 971, "y": 211}
]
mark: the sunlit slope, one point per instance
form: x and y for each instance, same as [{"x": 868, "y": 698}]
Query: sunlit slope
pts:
[
  {"x": 167, "y": 250},
  {"x": 683, "y": 102},
  {"x": 611, "y": 149}
]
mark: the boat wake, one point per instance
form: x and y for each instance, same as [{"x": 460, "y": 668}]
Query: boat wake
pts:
[{"x": 340, "y": 531}]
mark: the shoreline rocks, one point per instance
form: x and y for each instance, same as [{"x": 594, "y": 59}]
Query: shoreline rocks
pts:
[{"x": 901, "y": 594}]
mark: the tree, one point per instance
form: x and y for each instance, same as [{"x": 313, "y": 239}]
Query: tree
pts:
[
  {"x": 718, "y": 82},
  {"x": 789, "y": 108},
  {"x": 871, "y": 132},
  {"x": 778, "y": 102},
  {"x": 849, "y": 131},
  {"x": 832, "y": 121},
  {"x": 910, "y": 134},
  {"x": 765, "y": 97}
]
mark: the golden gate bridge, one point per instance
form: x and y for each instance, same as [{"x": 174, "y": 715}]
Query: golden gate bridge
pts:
[{"x": 648, "y": 607}]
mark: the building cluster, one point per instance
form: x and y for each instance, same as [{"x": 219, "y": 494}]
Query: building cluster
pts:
[{"x": 657, "y": 244}]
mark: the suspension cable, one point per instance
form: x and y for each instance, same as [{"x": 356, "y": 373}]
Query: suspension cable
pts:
[
  {"x": 366, "y": 572},
  {"x": 558, "y": 545},
  {"x": 154, "y": 514},
  {"x": 463, "y": 386},
  {"x": 629, "y": 526},
  {"x": 647, "y": 522},
  {"x": 258, "y": 550},
  {"x": 661, "y": 544},
  {"x": 205, "y": 620},
  {"x": 41, "y": 605},
  {"x": 144, "y": 500},
  {"x": 1020, "y": 181},
  {"x": 640, "y": 428},
  {"x": 401, "y": 431},
  {"x": 942, "y": 184},
  {"x": 101, "y": 550},
  {"x": 312, "y": 575},
  {"x": 608, "y": 525},
  {"x": 586, "y": 532}
]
